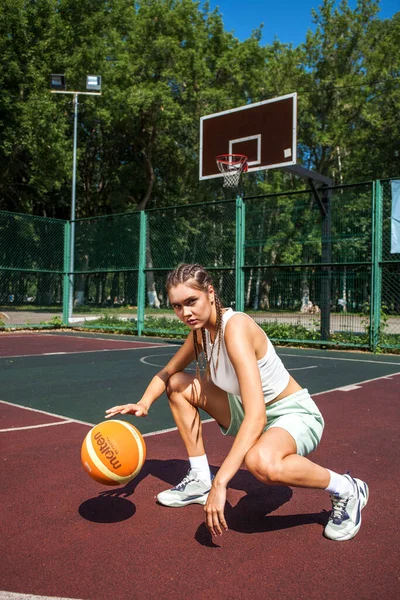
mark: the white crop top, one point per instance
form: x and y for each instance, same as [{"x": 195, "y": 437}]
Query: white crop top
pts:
[{"x": 274, "y": 376}]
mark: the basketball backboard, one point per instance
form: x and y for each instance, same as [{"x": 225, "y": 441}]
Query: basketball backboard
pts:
[{"x": 266, "y": 132}]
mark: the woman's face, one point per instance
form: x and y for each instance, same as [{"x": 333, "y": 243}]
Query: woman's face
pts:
[{"x": 193, "y": 307}]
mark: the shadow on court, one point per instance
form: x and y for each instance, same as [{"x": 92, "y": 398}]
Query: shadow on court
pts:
[
  {"x": 249, "y": 515},
  {"x": 107, "y": 509}
]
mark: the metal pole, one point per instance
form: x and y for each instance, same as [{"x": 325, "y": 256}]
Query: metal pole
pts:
[
  {"x": 326, "y": 275},
  {"x": 73, "y": 211},
  {"x": 66, "y": 280},
  {"x": 373, "y": 268},
  {"x": 141, "y": 298},
  {"x": 376, "y": 296},
  {"x": 239, "y": 262}
]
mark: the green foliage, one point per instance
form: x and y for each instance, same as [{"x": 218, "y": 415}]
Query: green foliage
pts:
[
  {"x": 297, "y": 333},
  {"x": 285, "y": 331},
  {"x": 164, "y": 64},
  {"x": 56, "y": 322},
  {"x": 160, "y": 326},
  {"x": 385, "y": 340},
  {"x": 165, "y": 327},
  {"x": 112, "y": 323}
]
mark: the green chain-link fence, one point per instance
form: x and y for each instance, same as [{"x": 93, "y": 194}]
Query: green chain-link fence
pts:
[
  {"x": 308, "y": 266},
  {"x": 387, "y": 330},
  {"x": 310, "y": 269},
  {"x": 31, "y": 269}
]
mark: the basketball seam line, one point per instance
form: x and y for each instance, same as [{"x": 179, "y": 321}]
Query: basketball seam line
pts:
[{"x": 102, "y": 467}]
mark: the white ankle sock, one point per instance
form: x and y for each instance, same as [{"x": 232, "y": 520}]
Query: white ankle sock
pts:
[
  {"x": 201, "y": 466},
  {"x": 339, "y": 484}
]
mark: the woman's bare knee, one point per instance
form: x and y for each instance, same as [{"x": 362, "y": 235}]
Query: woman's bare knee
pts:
[
  {"x": 176, "y": 383},
  {"x": 263, "y": 465},
  {"x": 182, "y": 386}
]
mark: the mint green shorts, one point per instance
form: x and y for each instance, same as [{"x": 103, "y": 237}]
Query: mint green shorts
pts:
[{"x": 297, "y": 414}]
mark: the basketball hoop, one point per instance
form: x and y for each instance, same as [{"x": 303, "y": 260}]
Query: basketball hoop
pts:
[{"x": 232, "y": 166}]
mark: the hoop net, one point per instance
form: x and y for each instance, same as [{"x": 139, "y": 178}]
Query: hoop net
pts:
[{"x": 232, "y": 166}]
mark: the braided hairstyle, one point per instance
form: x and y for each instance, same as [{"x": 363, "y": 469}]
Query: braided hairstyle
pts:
[{"x": 196, "y": 277}]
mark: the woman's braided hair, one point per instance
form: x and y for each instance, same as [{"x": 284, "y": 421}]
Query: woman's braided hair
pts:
[{"x": 196, "y": 277}]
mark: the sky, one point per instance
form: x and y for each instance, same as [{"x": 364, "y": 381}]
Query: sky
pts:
[{"x": 288, "y": 20}]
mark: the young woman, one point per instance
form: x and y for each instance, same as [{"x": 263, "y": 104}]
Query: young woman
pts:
[{"x": 251, "y": 395}]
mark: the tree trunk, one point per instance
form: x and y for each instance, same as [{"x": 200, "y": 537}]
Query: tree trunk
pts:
[
  {"x": 249, "y": 284},
  {"x": 152, "y": 297}
]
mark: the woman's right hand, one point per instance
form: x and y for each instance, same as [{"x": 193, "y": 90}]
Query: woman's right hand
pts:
[{"x": 127, "y": 409}]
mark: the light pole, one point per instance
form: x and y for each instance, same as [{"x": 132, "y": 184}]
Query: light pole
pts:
[{"x": 93, "y": 87}]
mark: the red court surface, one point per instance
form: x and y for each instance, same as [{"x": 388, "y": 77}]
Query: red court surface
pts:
[
  {"x": 25, "y": 344},
  {"x": 15, "y": 417},
  {"x": 67, "y": 536}
]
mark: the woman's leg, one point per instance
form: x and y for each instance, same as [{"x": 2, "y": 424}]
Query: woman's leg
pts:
[
  {"x": 186, "y": 395},
  {"x": 273, "y": 460}
]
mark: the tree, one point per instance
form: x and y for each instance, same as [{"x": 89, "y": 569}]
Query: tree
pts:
[{"x": 33, "y": 148}]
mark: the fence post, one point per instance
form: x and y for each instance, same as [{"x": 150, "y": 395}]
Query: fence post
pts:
[
  {"x": 239, "y": 262},
  {"x": 326, "y": 272},
  {"x": 141, "y": 300},
  {"x": 376, "y": 293},
  {"x": 66, "y": 276}
]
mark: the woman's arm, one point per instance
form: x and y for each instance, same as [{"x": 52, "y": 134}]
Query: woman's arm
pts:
[
  {"x": 240, "y": 344},
  {"x": 181, "y": 359}
]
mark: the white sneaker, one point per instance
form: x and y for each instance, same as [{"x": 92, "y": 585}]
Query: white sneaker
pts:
[
  {"x": 345, "y": 519},
  {"x": 191, "y": 490}
]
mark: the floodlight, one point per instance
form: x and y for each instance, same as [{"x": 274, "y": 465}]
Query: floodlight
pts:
[
  {"x": 93, "y": 83},
  {"x": 57, "y": 82}
]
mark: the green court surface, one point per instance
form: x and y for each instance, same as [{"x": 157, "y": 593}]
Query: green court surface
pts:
[{"x": 81, "y": 385}]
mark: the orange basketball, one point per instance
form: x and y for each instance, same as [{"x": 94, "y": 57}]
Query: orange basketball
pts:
[{"x": 113, "y": 452}]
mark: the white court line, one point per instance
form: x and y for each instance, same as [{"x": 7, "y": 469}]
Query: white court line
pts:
[
  {"x": 18, "y": 596},
  {"x": 37, "y": 426},
  {"x": 45, "y": 412},
  {"x": 150, "y": 364},
  {"x": 359, "y": 384},
  {"x": 87, "y": 337},
  {"x": 81, "y": 337},
  {"x": 78, "y": 352},
  {"x": 361, "y": 360},
  {"x": 65, "y": 420},
  {"x": 151, "y": 433},
  {"x": 350, "y": 388}
]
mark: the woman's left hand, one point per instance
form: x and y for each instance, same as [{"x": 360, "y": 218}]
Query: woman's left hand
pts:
[{"x": 214, "y": 509}]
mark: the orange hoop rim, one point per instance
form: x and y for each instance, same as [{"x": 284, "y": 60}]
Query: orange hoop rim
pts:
[
  {"x": 232, "y": 166},
  {"x": 233, "y": 160}
]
